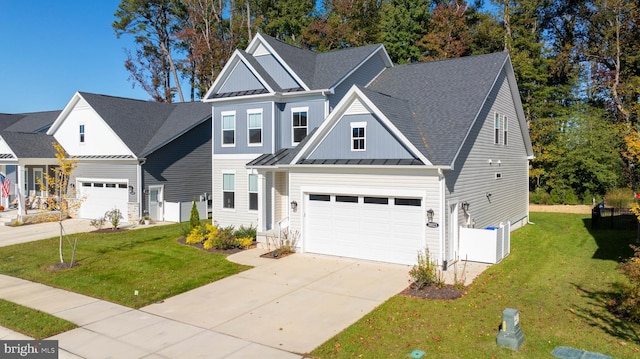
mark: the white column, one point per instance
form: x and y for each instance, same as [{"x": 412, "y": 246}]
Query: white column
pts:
[{"x": 19, "y": 190}]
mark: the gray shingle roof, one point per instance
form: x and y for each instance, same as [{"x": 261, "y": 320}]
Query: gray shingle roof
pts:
[
  {"x": 443, "y": 97},
  {"x": 144, "y": 126},
  {"x": 8, "y": 120},
  {"x": 320, "y": 70},
  {"x": 29, "y": 145},
  {"x": 34, "y": 122}
]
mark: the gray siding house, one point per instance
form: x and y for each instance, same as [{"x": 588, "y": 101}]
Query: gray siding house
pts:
[
  {"x": 144, "y": 158},
  {"x": 368, "y": 160}
]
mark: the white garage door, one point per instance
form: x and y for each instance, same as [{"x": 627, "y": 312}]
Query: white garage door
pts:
[
  {"x": 386, "y": 229},
  {"x": 102, "y": 196}
]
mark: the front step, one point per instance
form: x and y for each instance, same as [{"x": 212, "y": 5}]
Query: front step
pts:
[
  {"x": 4, "y": 221},
  {"x": 8, "y": 216}
]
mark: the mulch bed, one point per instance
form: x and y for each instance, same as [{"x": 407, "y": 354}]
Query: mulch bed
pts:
[
  {"x": 270, "y": 255},
  {"x": 108, "y": 230},
  {"x": 183, "y": 240},
  {"x": 61, "y": 266},
  {"x": 448, "y": 292}
]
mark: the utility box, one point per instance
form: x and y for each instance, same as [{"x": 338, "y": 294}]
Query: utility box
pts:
[{"x": 510, "y": 335}]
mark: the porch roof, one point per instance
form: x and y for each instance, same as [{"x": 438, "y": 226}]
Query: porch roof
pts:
[{"x": 29, "y": 145}]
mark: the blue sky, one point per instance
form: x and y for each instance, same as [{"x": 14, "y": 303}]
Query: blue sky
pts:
[{"x": 51, "y": 49}]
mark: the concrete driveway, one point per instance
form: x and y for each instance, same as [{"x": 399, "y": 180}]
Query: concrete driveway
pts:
[{"x": 294, "y": 303}]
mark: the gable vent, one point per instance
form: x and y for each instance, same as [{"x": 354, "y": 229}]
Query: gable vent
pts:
[
  {"x": 356, "y": 108},
  {"x": 261, "y": 50}
]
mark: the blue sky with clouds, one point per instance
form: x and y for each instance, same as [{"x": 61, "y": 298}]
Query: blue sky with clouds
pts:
[{"x": 51, "y": 49}]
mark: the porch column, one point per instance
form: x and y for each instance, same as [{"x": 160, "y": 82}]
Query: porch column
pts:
[
  {"x": 18, "y": 190},
  {"x": 262, "y": 200}
]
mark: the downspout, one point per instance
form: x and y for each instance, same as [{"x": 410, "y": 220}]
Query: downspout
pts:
[
  {"x": 141, "y": 162},
  {"x": 443, "y": 240}
]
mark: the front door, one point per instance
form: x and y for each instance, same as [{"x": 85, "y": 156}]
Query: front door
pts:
[
  {"x": 38, "y": 181},
  {"x": 155, "y": 202}
]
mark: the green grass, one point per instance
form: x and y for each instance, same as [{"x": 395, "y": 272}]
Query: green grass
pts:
[
  {"x": 31, "y": 322},
  {"x": 559, "y": 275},
  {"x": 115, "y": 265}
]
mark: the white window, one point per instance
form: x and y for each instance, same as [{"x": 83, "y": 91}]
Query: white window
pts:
[
  {"x": 81, "y": 133},
  {"x": 358, "y": 136},
  {"x": 299, "y": 124},
  {"x": 496, "y": 136},
  {"x": 228, "y": 129},
  {"x": 505, "y": 127},
  {"x": 229, "y": 190},
  {"x": 253, "y": 192},
  {"x": 254, "y": 127}
]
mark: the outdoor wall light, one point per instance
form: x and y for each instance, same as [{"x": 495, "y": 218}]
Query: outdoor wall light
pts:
[
  {"x": 430, "y": 215},
  {"x": 294, "y": 206},
  {"x": 131, "y": 190},
  {"x": 465, "y": 206}
]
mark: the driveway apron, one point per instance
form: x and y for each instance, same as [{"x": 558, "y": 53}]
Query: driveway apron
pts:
[{"x": 294, "y": 303}]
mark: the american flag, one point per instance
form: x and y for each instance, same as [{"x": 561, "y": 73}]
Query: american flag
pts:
[{"x": 4, "y": 185}]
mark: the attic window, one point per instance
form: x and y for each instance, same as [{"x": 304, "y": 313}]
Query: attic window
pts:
[
  {"x": 81, "y": 133},
  {"x": 358, "y": 137}
]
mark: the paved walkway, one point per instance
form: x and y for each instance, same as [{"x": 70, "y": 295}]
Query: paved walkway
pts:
[{"x": 282, "y": 308}]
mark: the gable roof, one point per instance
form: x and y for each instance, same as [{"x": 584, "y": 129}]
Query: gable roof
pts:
[
  {"x": 29, "y": 145},
  {"x": 430, "y": 107},
  {"x": 314, "y": 71},
  {"x": 143, "y": 126},
  {"x": 28, "y": 122},
  {"x": 444, "y": 97}
]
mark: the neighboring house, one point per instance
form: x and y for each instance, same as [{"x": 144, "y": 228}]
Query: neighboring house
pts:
[
  {"x": 403, "y": 157},
  {"x": 25, "y": 151},
  {"x": 138, "y": 156}
]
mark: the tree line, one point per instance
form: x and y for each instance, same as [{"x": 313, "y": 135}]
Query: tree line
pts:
[{"x": 577, "y": 63}]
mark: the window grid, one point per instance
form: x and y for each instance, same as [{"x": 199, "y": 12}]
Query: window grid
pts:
[
  {"x": 81, "y": 133},
  {"x": 299, "y": 124},
  {"x": 254, "y": 126},
  {"x": 228, "y": 129}
]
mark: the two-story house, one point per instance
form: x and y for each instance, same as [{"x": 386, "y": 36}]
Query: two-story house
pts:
[{"x": 365, "y": 159}]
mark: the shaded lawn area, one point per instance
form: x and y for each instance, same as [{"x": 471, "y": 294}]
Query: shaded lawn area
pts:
[
  {"x": 559, "y": 275},
  {"x": 115, "y": 265}
]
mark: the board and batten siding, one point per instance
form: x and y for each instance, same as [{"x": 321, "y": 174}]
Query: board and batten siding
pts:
[
  {"x": 242, "y": 132},
  {"x": 376, "y": 182},
  {"x": 480, "y": 159},
  {"x": 240, "y": 79},
  {"x": 240, "y": 215},
  {"x": 125, "y": 170},
  {"x": 182, "y": 166},
  {"x": 362, "y": 76},
  {"x": 379, "y": 142},
  {"x": 277, "y": 71}
]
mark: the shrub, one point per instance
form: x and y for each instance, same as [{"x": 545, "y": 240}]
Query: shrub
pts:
[
  {"x": 224, "y": 238},
  {"x": 619, "y": 198},
  {"x": 98, "y": 223},
  {"x": 197, "y": 235},
  {"x": 283, "y": 244},
  {"x": 194, "y": 220},
  {"x": 244, "y": 242},
  {"x": 114, "y": 216},
  {"x": 246, "y": 232},
  {"x": 423, "y": 273}
]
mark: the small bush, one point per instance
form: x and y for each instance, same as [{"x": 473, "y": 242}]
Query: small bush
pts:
[
  {"x": 224, "y": 238},
  {"x": 283, "y": 244},
  {"x": 197, "y": 235},
  {"x": 244, "y": 242},
  {"x": 424, "y": 273},
  {"x": 98, "y": 223},
  {"x": 246, "y": 232},
  {"x": 619, "y": 198},
  {"x": 194, "y": 220},
  {"x": 114, "y": 217}
]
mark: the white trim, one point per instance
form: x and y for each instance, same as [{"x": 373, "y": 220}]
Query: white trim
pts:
[
  {"x": 249, "y": 192},
  {"x": 505, "y": 130},
  {"x": 222, "y": 129},
  {"x": 386, "y": 60},
  {"x": 227, "y": 70},
  {"x": 82, "y": 133},
  {"x": 249, "y": 128},
  {"x": 252, "y": 47},
  {"x": 229, "y": 172},
  {"x": 374, "y": 192},
  {"x": 362, "y": 125},
  {"x": 110, "y": 180},
  {"x": 497, "y": 120},
  {"x": 298, "y": 110}
]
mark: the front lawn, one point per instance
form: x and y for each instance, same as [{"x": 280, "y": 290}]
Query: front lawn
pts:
[
  {"x": 30, "y": 322},
  {"x": 116, "y": 266},
  {"x": 559, "y": 275}
]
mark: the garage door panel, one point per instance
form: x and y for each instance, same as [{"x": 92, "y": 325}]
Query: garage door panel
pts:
[
  {"x": 102, "y": 196},
  {"x": 379, "y": 231}
]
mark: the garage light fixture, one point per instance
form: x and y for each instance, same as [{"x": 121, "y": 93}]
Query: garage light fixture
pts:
[
  {"x": 465, "y": 206},
  {"x": 131, "y": 190},
  {"x": 430, "y": 215},
  {"x": 294, "y": 206}
]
